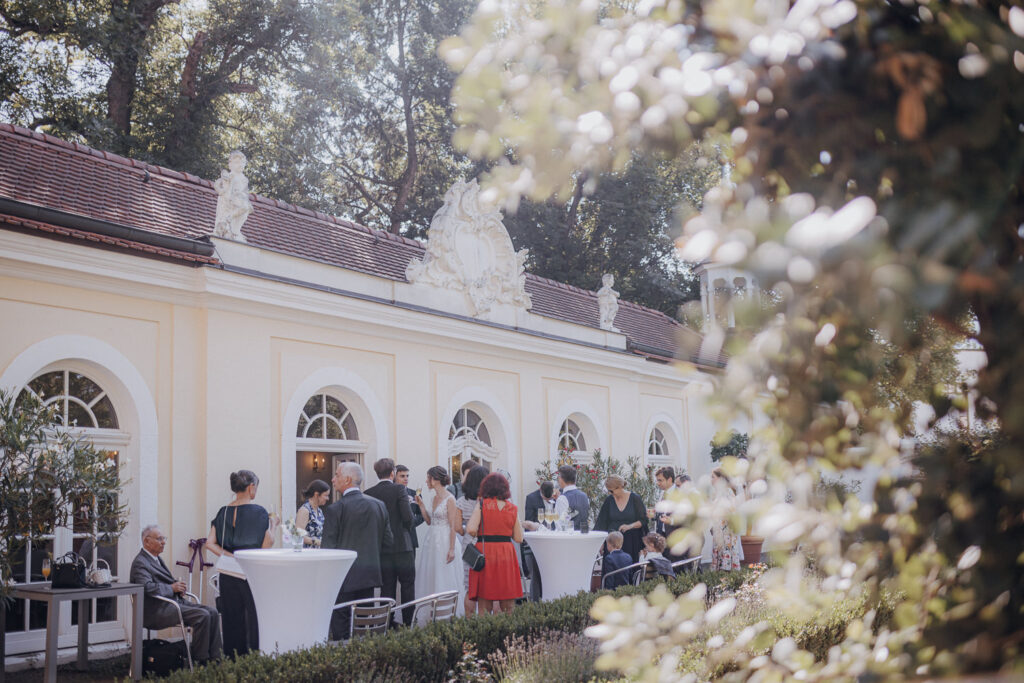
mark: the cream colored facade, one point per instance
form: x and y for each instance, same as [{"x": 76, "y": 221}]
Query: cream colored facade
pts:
[{"x": 209, "y": 369}]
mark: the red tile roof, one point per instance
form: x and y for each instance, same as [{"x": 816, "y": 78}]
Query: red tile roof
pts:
[{"x": 43, "y": 170}]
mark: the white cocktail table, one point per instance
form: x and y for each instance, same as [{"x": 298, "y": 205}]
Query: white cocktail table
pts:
[
  {"x": 565, "y": 558},
  {"x": 294, "y": 591}
]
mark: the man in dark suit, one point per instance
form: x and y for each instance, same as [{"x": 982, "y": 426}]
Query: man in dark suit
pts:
[
  {"x": 397, "y": 562},
  {"x": 541, "y": 499},
  {"x": 360, "y": 523},
  {"x": 665, "y": 479},
  {"x": 402, "y": 479},
  {"x": 149, "y": 570}
]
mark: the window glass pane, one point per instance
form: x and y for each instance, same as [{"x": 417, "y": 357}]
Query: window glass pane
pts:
[
  {"x": 581, "y": 443},
  {"x": 103, "y": 411},
  {"x": 451, "y": 432},
  {"x": 349, "y": 425},
  {"x": 483, "y": 434},
  {"x": 333, "y": 429},
  {"x": 312, "y": 406},
  {"x": 316, "y": 431},
  {"x": 49, "y": 385},
  {"x": 460, "y": 419},
  {"x": 301, "y": 429},
  {"x": 335, "y": 408},
  {"x": 78, "y": 415},
  {"x": 15, "y": 622},
  {"x": 472, "y": 419},
  {"x": 658, "y": 436},
  {"x": 82, "y": 387}
]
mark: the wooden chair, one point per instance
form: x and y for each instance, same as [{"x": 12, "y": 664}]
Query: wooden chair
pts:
[
  {"x": 446, "y": 605},
  {"x": 186, "y": 632},
  {"x": 369, "y": 615}
]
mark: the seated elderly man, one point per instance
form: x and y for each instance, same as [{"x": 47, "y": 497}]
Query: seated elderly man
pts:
[{"x": 149, "y": 570}]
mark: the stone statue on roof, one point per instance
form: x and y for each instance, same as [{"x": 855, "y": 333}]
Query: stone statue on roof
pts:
[
  {"x": 233, "y": 205},
  {"x": 608, "y": 303}
]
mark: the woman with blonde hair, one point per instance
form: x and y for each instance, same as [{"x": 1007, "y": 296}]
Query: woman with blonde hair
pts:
[{"x": 623, "y": 511}]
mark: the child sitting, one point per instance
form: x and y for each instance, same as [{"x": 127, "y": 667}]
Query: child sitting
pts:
[
  {"x": 615, "y": 559},
  {"x": 657, "y": 564}
]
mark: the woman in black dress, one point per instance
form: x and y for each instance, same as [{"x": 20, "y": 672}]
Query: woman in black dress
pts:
[
  {"x": 623, "y": 511},
  {"x": 239, "y": 525}
]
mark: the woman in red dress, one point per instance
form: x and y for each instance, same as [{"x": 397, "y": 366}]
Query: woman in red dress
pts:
[{"x": 495, "y": 523}]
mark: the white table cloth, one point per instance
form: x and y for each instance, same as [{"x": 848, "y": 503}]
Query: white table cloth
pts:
[
  {"x": 565, "y": 558},
  {"x": 294, "y": 593}
]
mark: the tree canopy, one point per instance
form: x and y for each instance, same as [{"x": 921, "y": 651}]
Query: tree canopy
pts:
[
  {"x": 343, "y": 107},
  {"x": 878, "y": 180}
]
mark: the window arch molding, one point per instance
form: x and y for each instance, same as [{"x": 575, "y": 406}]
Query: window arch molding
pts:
[
  {"x": 672, "y": 437},
  {"x": 499, "y": 421},
  {"x": 586, "y": 418},
  {"x": 358, "y": 397},
  {"x": 136, "y": 408}
]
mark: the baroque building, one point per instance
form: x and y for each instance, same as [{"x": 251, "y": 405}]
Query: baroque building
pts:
[{"x": 299, "y": 340}]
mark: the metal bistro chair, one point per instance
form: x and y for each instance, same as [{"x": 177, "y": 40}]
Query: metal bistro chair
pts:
[
  {"x": 437, "y": 607},
  {"x": 424, "y": 605},
  {"x": 689, "y": 565},
  {"x": 369, "y": 615},
  {"x": 634, "y": 579},
  {"x": 185, "y": 630},
  {"x": 446, "y": 605}
]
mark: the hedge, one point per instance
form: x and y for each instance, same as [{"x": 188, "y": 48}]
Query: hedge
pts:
[{"x": 429, "y": 653}]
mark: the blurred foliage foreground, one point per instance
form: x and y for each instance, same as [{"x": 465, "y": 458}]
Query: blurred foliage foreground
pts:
[{"x": 878, "y": 154}]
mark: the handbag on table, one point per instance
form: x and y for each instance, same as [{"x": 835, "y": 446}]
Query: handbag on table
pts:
[{"x": 68, "y": 571}]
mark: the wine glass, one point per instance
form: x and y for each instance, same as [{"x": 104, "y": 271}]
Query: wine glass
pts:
[{"x": 46, "y": 568}]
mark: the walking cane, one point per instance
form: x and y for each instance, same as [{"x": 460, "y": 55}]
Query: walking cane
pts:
[{"x": 196, "y": 544}]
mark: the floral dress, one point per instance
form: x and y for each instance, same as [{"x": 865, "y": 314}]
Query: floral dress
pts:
[
  {"x": 315, "y": 525},
  {"x": 724, "y": 541}
]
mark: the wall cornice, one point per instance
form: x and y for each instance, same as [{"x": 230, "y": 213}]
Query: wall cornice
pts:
[{"x": 45, "y": 260}]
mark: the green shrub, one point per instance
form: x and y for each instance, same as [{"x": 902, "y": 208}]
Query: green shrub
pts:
[
  {"x": 431, "y": 652},
  {"x": 554, "y": 655}
]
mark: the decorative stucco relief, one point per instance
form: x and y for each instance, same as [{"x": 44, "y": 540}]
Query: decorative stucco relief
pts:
[{"x": 469, "y": 250}]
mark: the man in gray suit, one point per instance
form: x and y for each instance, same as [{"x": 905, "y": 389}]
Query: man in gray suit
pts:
[
  {"x": 149, "y": 570},
  {"x": 360, "y": 523}
]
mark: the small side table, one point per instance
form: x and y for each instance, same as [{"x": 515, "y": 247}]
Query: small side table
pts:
[{"x": 43, "y": 592}]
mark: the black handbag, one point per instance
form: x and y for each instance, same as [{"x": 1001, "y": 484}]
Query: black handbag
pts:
[
  {"x": 161, "y": 657},
  {"x": 471, "y": 556},
  {"x": 68, "y": 571}
]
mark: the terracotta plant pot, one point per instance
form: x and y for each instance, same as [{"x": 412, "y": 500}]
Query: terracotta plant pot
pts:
[{"x": 751, "y": 549}]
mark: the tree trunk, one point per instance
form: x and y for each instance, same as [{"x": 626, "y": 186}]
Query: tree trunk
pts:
[
  {"x": 121, "y": 91},
  {"x": 408, "y": 179}
]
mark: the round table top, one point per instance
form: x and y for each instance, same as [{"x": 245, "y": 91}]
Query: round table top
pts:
[
  {"x": 288, "y": 555},
  {"x": 569, "y": 536}
]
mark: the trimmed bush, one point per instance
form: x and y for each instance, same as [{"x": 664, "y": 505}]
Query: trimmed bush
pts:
[{"x": 431, "y": 652}]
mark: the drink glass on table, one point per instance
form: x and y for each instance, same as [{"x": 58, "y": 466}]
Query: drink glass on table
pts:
[{"x": 46, "y": 568}]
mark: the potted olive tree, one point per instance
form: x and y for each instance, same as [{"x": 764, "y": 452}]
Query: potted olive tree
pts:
[
  {"x": 50, "y": 477},
  {"x": 736, "y": 446}
]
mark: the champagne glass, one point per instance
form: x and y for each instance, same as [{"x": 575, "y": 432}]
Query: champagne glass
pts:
[{"x": 46, "y": 568}]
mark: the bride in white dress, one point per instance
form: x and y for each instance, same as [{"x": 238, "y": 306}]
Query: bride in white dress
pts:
[{"x": 439, "y": 560}]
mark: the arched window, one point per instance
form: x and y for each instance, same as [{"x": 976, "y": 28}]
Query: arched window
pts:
[
  {"x": 80, "y": 401},
  {"x": 468, "y": 423},
  {"x": 570, "y": 437},
  {"x": 325, "y": 417},
  {"x": 84, "y": 408},
  {"x": 657, "y": 445},
  {"x": 469, "y": 438}
]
